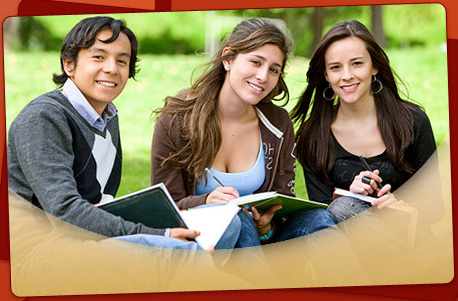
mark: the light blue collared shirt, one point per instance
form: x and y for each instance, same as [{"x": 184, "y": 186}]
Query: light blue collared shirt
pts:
[{"x": 84, "y": 108}]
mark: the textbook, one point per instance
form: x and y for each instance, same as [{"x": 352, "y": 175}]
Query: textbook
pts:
[
  {"x": 338, "y": 192},
  {"x": 368, "y": 199},
  {"x": 155, "y": 208},
  {"x": 265, "y": 200}
]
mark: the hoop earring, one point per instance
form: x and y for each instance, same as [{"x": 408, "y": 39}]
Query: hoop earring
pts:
[
  {"x": 377, "y": 82},
  {"x": 325, "y": 92}
]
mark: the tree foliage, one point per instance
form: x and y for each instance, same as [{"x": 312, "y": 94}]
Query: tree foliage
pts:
[{"x": 184, "y": 32}]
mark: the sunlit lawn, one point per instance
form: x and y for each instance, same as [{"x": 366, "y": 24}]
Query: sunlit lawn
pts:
[{"x": 29, "y": 75}]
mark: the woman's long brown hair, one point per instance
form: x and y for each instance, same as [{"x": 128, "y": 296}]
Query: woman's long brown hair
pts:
[
  {"x": 197, "y": 104},
  {"x": 314, "y": 114}
]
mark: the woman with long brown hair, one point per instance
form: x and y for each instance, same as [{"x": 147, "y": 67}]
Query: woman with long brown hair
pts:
[
  {"x": 351, "y": 112},
  {"x": 227, "y": 125}
]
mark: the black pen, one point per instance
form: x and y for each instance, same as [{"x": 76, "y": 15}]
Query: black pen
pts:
[
  {"x": 366, "y": 165},
  {"x": 214, "y": 177}
]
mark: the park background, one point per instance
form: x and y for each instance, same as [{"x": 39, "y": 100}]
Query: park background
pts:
[{"x": 173, "y": 44}]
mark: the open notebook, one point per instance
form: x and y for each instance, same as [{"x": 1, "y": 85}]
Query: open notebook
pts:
[{"x": 155, "y": 208}]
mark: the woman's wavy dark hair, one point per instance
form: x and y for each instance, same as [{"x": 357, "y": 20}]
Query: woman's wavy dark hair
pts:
[
  {"x": 83, "y": 35},
  {"x": 314, "y": 114},
  {"x": 197, "y": 104}
]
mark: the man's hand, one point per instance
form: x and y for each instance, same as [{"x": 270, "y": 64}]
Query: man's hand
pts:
[{"x": 187, "y": 235}]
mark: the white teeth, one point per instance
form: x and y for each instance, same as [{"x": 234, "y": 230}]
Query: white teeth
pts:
[
  {"x": 107, "y": 84},
  {"x": 259, "y": 89},
  {"x": 349, "y": 87}
]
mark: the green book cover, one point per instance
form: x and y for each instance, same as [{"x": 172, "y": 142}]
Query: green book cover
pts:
[{"x": 290, "y": 205}]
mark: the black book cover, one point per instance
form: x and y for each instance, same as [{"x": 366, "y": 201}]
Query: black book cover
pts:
[{"x": 152, "y": 207}]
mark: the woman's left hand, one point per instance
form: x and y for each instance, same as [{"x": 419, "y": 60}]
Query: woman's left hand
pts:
[
  {"x": 385, "y": 197},
  {"x": 262, "y": 221}
]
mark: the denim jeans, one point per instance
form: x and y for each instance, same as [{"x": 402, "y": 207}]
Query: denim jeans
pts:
[
  {"x": 346, "y": 207},
  {"x": 159, "y": 241},
  {"x": 249, "y": 236},
  {"x": 303, "y": 224},
  {"x": 242, "y": 231},
  {"x": 299, "y": 225}
]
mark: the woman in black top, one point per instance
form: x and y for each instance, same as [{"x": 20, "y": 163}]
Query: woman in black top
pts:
[{"x": 351, "y": 108}]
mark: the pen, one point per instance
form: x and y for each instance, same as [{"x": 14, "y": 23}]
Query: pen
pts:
[
  {"x": 214, "y": 177},
  {"x": 366, "y": 165}
]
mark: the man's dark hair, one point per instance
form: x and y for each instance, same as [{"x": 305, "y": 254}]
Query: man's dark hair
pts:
[{"x": 83, "y": 35}]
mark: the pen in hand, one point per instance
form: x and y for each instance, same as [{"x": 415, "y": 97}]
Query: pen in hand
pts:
[
  {"x": 222, "y": 185},
  {"x": 214, "y": 177},
  {"x": 366, "y": 165},
  {"x": 221, "y": 194}
]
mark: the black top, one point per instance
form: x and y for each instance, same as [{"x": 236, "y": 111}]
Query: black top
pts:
[{"x": 347, "y": 165}]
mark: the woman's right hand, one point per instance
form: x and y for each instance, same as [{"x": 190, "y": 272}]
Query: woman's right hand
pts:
[
  {"x": 383, "y": 195},
  {"x": 222, "y": 195},
  {"x": 358, "y": 186}
]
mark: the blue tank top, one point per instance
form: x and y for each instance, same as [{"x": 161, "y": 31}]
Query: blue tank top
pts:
[{"x": 245, "y": 182}]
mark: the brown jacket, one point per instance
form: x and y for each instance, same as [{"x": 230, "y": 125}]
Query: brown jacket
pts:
[{"x": 278, "y": 143}]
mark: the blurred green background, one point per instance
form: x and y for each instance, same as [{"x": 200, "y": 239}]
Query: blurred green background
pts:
[{"x": 173, "y": 44}]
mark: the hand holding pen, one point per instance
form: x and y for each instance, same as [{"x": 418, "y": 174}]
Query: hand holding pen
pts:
[
  {"x": 368, "y": 182},
  {"x": 224, "y": 194},
  {"x": 221, "y": 194}
]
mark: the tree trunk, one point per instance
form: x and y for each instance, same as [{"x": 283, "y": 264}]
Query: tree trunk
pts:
[
  {"x": 10, "y": 31},
  {"x": 377, "y": 25},
  {"x": 318, "y": 16}
]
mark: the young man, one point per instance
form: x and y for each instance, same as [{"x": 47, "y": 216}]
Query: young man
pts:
[{"x": 64, "y": 149}]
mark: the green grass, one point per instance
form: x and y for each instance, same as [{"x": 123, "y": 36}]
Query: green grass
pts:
[{"x": 423, "y": 70}]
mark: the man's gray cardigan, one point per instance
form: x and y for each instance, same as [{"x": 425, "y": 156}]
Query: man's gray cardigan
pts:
[{"x": 51, "y": 164}]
